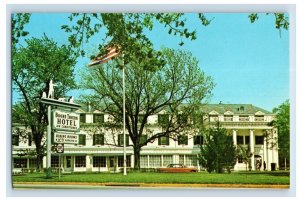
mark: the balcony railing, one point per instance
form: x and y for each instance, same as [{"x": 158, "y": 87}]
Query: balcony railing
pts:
[
  {"x": 259, "y": 119},
  {"x": 228, "y": 118},
  {"x": 243, "y": 118}
]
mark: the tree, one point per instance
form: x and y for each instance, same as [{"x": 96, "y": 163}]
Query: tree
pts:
[
  {"x": 33, "y": 65},
  {"x": 126, "y": 28},
  {"x": 218, "y": 152},
  {"x": 174, "y": 90},
  {"x": 245, "y": 154},
  {"x": 18, "y": 23},
  {"x": 282, "y": 123}
]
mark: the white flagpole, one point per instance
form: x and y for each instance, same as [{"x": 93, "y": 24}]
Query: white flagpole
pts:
[{"x": 124, "y": 135}]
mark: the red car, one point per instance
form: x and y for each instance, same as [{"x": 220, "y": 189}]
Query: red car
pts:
[{"x": 177, "y": 168}]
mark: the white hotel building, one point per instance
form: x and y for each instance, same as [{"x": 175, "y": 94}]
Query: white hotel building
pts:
[{"x": 98, "y": 150}]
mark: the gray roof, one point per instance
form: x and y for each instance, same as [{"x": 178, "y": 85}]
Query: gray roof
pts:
[
  {"x": 234, "y": 108},
  {"x": 207, "y": 108}
]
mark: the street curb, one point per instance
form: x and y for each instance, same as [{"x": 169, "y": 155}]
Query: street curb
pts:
[{"x": 112, "y": 184}]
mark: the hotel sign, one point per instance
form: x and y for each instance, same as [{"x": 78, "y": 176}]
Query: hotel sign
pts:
[
  {"x": 66, "y": 121},
  {"x": 65, "y": 138}
]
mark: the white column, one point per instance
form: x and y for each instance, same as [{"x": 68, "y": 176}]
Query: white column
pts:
[
  {"x": 265, "y": 158},
  {"x": 148, "y": 161},
  {"x": 234, "y": 137},
  {"x": 235, "y": 143},
  {"x": 252, "y": 148}
]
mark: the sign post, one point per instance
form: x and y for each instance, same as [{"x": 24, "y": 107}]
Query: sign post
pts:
[
  {"x": 59, "y": 150},
  {"x": 48, "y": 159},
  {"x": 69, "y": 122}
]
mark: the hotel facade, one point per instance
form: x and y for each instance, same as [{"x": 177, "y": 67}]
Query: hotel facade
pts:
[{"x": 101, "y": 150}]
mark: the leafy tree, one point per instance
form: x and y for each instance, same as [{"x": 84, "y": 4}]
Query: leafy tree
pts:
[
  {"x": 175, "y": 89},
  {"x": 33, "y": 65},
  {"x": 218, "y": 152},
  {"x": 282, "y": 123},
  {"x": 245, "y": 154},
  {"x": 19, "y": 20},
  {"x": 126, "y": 28}
]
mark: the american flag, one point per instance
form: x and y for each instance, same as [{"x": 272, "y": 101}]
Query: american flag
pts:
[{"x": 100, "y": 59}]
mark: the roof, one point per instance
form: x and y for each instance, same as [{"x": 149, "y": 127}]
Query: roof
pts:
[
  {"x": 213, "y": 109},
  {"x": 233, "y": 108}
]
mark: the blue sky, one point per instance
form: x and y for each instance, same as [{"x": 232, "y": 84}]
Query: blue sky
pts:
[{"x": 248, "y": 62}]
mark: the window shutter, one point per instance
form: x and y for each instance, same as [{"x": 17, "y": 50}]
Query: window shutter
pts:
[
  {"x": 167, "y": 140},
  {"x": 127, "y": 140},
  {"x": 102, "y": 139},
  {"x": 159, "y": 141},
  {"x": 94, "y": 138}
]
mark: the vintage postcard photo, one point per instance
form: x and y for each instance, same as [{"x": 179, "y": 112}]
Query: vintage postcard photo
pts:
[{"x": 158, "y": 100}]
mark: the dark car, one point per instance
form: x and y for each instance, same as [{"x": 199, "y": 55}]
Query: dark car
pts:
[{"x": 177, "y": 168}]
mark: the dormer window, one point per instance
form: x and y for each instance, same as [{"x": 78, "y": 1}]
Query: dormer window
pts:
[
  {"x": 213, "y": 117},
  {"x": 244, "y": 118},
  {"x": 259, "y": 117},
  {"x": 228, "y": 117}
]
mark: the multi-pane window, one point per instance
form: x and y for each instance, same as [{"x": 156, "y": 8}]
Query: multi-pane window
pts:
[
  {"x": 244, "y": 118},
  {"x": 191, "y": 160},
  {"x": 80, "y": 161},
  {"x": 198, "y": 140},
  {"x": 188, "y": 160},
  {"x": 155, "y": 160},
  {"x": 121, "y": 140},
  {"x": 121, "y": 161},
  {"x": 259, "y": 139},
  {"x": 247, "y": 139},
  {"x": 228, "y": 117},
  {"x": 163, "y": 119},
  {"x": 167, "y": 159},
  {"x": 181, "y": 159},
  {"x": 15, "y": 140},
  {"x": 240, "y": 139},
  {"x": 164, "y": 140},
  {"x": 82, "y": 118},
  {"x": 143, "y": 161},
  {"x": 32, "y": 162},
  {"x": 20, "y": 162},
  {"x": 55, "y": 161},
  {"x": 183, "y": 140},
  {"x": 259, "y": 117},
  {"x": 99, "y": 161},
  {"x": 182, "y": 119},
  {"x": 213, "y": 118},
  {"x": 82, "y": 139},
  {"x": 98, "y": 139},
  {"x": 98, "y": 118}
]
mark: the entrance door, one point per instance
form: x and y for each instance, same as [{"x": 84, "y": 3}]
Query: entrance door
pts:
[
  {"x": 68, "y": 164},
  {"x": 111, "y": 163}
]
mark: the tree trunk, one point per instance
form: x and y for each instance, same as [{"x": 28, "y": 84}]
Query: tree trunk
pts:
[{"x": 136, "y": 152}]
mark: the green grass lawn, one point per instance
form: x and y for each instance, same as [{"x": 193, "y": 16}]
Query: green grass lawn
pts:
[{"x": 191, "y": 178}]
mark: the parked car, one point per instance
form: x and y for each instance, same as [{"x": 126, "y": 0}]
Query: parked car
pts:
[{"x": 177, "y": 168}]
